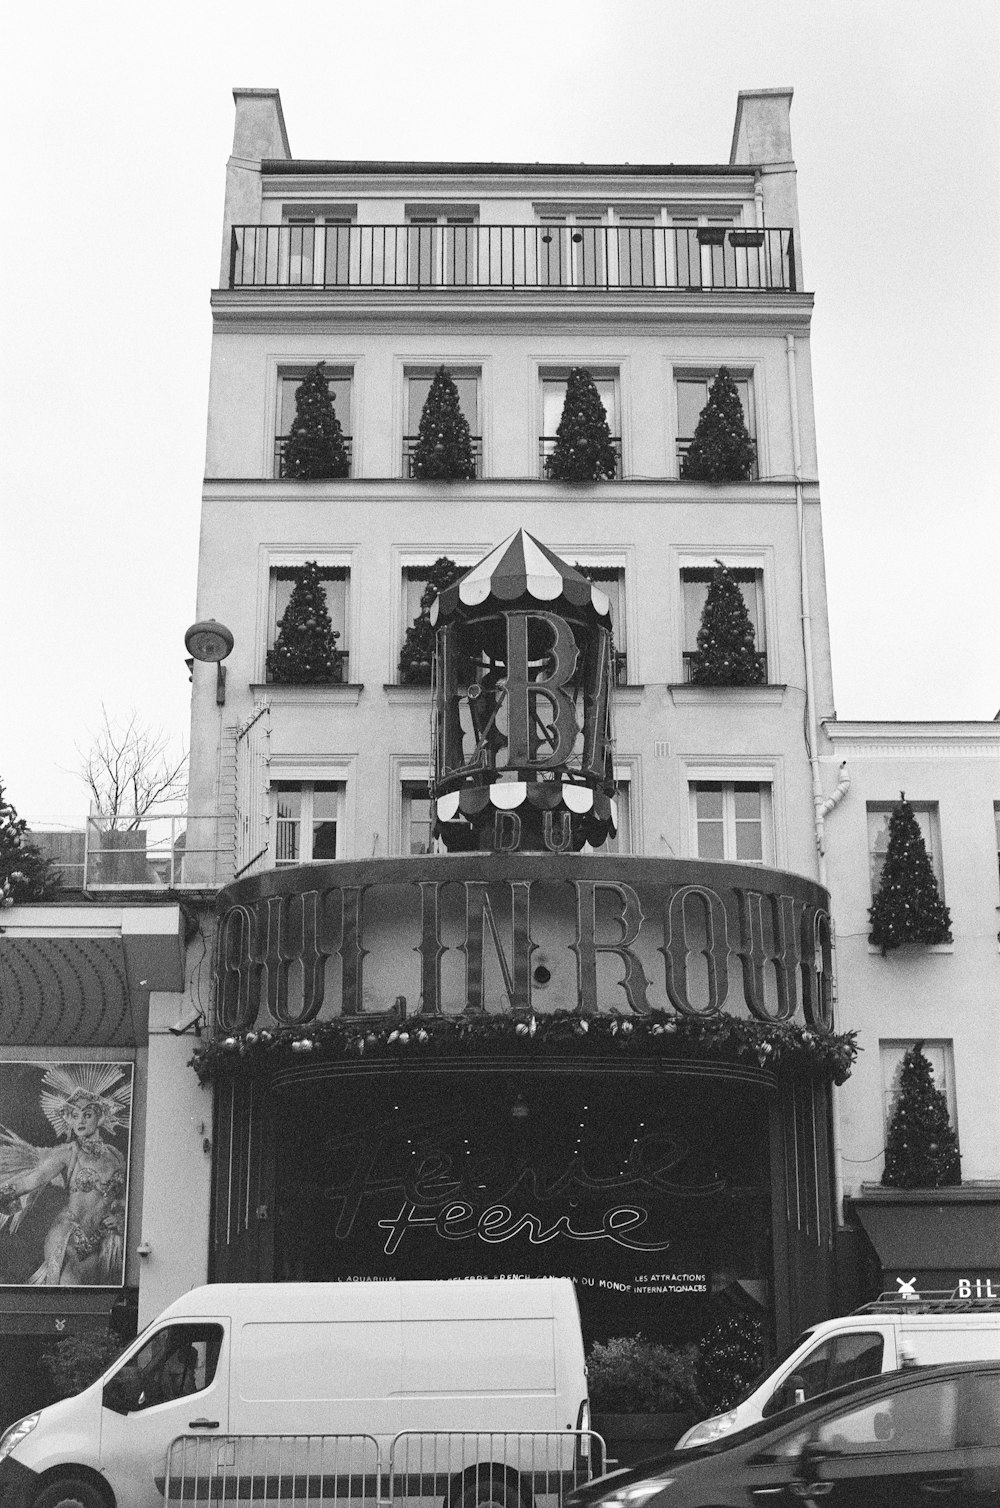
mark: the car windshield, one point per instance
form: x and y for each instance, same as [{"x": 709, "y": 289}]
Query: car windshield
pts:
[{"x": 772, "y": 1366}]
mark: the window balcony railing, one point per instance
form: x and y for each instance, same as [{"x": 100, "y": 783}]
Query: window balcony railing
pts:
[
  {"x": 683, "y": 446},
  {"x": 340, "y": 676},
  {"x": 280, "y": 441},
  {"x": 547, "y": 444},
  {"x": 691, "y": 658},
  {"x": 161, "y": 851},
  {"x": 410, "y": 444},
  {"x": 579, "y": 257}
]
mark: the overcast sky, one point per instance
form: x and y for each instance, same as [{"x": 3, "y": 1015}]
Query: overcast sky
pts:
[{"x": 118, "y": 122}]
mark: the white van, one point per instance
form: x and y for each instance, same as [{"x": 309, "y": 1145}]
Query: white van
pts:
[
  {"x": 892, "y": 1332},
  {"x": 309, "y": 1391}
]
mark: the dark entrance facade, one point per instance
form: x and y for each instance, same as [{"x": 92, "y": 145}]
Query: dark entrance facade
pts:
[{"x": 659, "y": 1134}]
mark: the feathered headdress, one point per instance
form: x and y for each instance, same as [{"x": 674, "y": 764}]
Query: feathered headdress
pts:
[{"x": 97, "y": 1084}]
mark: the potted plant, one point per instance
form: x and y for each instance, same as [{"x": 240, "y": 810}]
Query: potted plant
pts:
[
  {"x": 711, "y": 235},
  {"x": 746, "y": 237},
  {"x": 643, "y": 1395}
]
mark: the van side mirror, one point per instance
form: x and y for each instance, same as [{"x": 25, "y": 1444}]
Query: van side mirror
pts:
[
  {"x": 797, "y": 1387},
  {"x": 791, "y": 1391},
  {"x": 121, "y": 1392}
]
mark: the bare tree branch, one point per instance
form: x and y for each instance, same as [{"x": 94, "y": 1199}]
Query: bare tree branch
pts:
[{"x": 129, "y": 770}]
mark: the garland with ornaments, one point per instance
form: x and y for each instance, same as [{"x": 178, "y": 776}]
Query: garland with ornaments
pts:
[{"x": 781, "y": 1046}]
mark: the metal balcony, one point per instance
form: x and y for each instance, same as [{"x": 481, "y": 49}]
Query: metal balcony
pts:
[
  {"x": 697, "y": 259},
  {"x": 690, "y": 657},
  {"x": 547, "y": 444},
  {"x": 160, "y": 851}
]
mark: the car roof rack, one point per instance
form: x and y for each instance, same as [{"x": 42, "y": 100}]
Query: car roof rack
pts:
[{"x": 933, "y": 1301}]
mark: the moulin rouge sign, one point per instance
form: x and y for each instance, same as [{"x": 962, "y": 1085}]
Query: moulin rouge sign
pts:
[{"x": 350, "y": 937}]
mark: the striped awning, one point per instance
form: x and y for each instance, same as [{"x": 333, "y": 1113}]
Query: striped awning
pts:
[{"x": 521, "y": 567}]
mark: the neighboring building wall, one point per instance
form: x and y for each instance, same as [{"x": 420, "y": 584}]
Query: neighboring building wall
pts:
[{"x": 949, "y": 993}]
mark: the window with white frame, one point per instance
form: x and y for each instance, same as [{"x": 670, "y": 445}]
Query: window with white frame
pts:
[
  {"x": 694, "y": 593},
  {"x": 926, "y": 814},
  {"x": 554, "y": 399},
  {"x": 572, "y": 248},
  {"x": 336, "y": 582},
  {"x": 416, "y": 819},
  {"x": 318, "y": 244},
  {"x": 640, "y": 256},
  {"x": 442, "y": 244},
  {"x": 339, "y": 381},
  {"x": 699, "y": 245},
  {"x": 938, "y": 1054},
  {"x": 732, "y": 819},
  {"x": 996, "y": 824},
  {"x": 417, "y": 381},
  {"x": 306, "y": 821},
  {"x": 610, "y": 580},
  {"x": 692, "y": 389}
]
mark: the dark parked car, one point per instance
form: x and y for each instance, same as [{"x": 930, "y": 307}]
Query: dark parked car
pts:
[{"x": 923, "y": 1435}]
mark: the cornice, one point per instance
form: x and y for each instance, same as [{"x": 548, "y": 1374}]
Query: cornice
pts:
[
  {"x": 249, "y": 310},
  {"x": 938, "y": 740},
  {"x": 393, "y": 492}
]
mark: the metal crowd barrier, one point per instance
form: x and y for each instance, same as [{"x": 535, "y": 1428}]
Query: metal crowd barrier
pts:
[{"x": 453, "y": 1469}]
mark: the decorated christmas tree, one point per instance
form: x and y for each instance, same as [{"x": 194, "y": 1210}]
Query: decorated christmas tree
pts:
[
  {"x": 727, "y": 654},
  {"x": 305, "y": 648},
  {"x": 731, "y": 1355},
  {"x": 721, "y": 450},
  {"x": 583, "y": 451},
  {"x": 315, "y": 448},
  {"x": 907, "y": 907},
  {"x": 921, "y": 1151},
  {"x": 25, "y": 875},
  {"x": 443, "y": 451},
  {"x": 417, "y": 653}
]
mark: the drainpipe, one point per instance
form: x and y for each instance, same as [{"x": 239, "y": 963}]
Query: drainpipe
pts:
[{"x": 821, "y": 805}]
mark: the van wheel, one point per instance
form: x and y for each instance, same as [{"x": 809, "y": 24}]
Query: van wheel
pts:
[
  {"x": 486, "y": 1489},
  {"x": 69, "y": 1492}
]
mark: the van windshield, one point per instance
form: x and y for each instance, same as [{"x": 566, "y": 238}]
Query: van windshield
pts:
[{"x": 772, "y": 1366}]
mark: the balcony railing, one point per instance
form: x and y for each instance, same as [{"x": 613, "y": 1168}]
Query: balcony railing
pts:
[
  {"x": 338, "y": 677},
  {"x": 280, "y": 441},
  {"x": 691, "y": 658},
  {"x": 684, "y": 445},
  {"x": 166, "y": 851},
  {"x": 580, "y": 257},
  {"x": 547, "y": 444},
  {"x": 410, "y": 444}
]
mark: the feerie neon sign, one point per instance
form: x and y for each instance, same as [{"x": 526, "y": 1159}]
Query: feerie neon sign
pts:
[{"x": 699, "y": 933}]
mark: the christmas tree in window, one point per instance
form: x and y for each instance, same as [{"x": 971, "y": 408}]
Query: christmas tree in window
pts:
[
  {"x": 417, "y": 653},
  {"x": 721, "y": 450},
  {"x": 443, "y": 451},
  {"x": 315, "y": 450},
  {"x": 584, "y": 450},
  {"x": 727, "y": 654},
  {"x": 907, "y": 907},
  {"x": 921, "y": 1150},
  {"x": 25, "y": 874},
  {"x": 305, "y": 651}
]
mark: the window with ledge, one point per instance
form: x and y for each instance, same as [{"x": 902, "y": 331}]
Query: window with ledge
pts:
[
  {"x": 694, "y": 593},
  {"x": 336, "y": 585},
  {"x": 692, "y": 390},
  {"x": 926, "y": 814},
  {"x": 418, "y": 383},
  {"x": 318, "y": 245},
  {"x": 702, "y": 246},
  {"x": 340, "y": 383},
  {"x": 732, "y": 819},
  {"x": 554, "y": 398},
  {"x": 306, "y": 821},
  {"x": 938, "y": 1054},
  {"x": 442, "y": 245}
]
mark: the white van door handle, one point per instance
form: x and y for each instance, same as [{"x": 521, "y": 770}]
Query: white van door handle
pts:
[{"x": 203, "y": 1424}]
